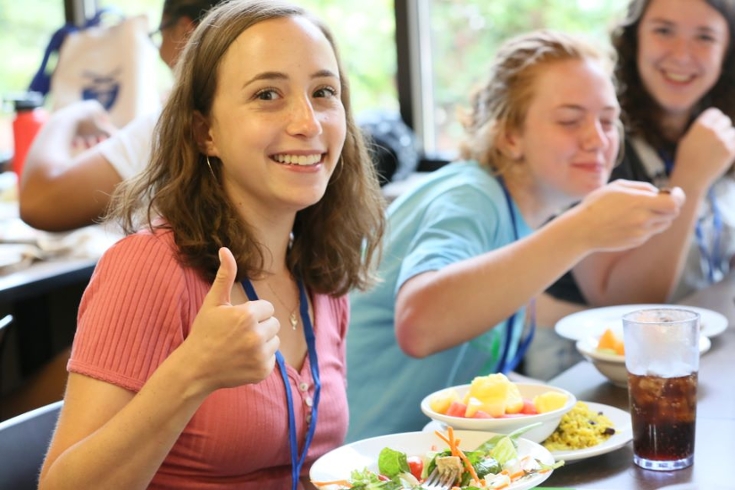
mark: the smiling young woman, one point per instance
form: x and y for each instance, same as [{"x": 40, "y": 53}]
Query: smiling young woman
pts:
[{"x": 260, "y": 202}]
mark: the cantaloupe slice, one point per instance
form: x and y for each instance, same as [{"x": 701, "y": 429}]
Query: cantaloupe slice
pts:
[{"x": 609, "y": 341}]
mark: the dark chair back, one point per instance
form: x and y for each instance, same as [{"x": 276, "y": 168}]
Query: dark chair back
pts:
[
  {"x": 4, "y": 322},
  {"x": 24, "y": 440},
  {"x": 4, "y": 327}
]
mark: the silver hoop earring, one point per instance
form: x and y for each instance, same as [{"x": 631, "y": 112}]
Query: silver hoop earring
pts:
[{"x": 210, "y": 167}]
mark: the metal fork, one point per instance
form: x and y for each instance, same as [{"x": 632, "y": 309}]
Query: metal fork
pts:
[{"x": 440, "y": 480}]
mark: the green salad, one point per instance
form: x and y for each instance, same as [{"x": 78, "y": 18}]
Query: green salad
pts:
[{"x": 494, "y": 465}]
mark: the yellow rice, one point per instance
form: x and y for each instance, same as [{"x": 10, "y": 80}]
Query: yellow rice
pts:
[{"x": 580, "y": 428}]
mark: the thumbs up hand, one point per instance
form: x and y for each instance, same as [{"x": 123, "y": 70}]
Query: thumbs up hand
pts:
[{"x": 232, "y": 345}]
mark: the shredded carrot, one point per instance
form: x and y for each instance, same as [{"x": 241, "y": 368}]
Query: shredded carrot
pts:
[
  {"x": 517, "y": 474},
  {"x": 441, "y": 436},
  {"x": 452, "y": 441},
  {"x": 468, "y": 465},
  {"x": 456, "y": 451},
  {"x": 343, "y": 483}
]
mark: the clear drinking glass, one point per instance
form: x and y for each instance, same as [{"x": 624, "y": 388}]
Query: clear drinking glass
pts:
[{"x": 662, "y": 359}]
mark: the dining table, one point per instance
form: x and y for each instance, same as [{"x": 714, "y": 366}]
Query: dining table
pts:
[
  {"x": 42, "y": 278},
  {"x": 714, "y": 454}
]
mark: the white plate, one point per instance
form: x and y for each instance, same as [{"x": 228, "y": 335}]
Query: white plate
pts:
[
  {"x": 595, "y": 321},
  {"x": 339, "y": 463},
  {"x": 623, "y": 435}
]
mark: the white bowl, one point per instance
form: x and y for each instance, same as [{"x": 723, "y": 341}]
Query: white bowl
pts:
[
  {"x": 549, "y": 420},
  {"x": 612, "y": 366}
]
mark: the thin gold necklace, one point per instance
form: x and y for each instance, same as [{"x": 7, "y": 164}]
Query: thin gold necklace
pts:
[{"x": 292, "y": 317}]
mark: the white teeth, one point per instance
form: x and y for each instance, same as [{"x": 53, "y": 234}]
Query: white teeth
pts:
[
  {"x": 675, "y": 77},
  {"x": 301, "y": 160}
]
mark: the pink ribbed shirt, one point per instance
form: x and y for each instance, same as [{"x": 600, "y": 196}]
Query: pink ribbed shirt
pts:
[{"x": 138, "y": 308}]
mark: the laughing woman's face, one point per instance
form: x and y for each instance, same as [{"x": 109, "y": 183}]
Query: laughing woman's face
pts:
[{"x": 681, "y": 47}]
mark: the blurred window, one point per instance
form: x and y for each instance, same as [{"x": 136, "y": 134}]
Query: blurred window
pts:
[
  {"x": 451, "y": 43},
  {"x": 25, "y": 29},
  {"x": 462, "y": 37}
]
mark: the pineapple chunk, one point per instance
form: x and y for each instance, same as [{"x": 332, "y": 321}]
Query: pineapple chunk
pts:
[
  {"x": 473, "y": 405},
  {"x": 514, "y": 401},
  {"x": 492, "y": 391},
  {"x": 549, "y": 401},
  {"x": 441, "y": 401}
]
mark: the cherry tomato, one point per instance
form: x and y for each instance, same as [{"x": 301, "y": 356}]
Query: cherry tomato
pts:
[{"x": 417, "y": 466}]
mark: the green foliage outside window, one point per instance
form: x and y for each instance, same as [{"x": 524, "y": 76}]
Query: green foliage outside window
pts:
[
  {"x": 466, "y": 34},
  {"x": 25, "y": 29}
]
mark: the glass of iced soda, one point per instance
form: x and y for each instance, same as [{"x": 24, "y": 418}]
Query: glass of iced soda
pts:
[{"x": 662, "y": 359}]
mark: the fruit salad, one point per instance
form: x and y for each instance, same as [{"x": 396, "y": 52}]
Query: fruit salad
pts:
[{"x": 494, "y": 396}]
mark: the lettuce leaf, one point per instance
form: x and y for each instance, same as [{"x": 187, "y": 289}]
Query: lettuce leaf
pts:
[
  {"x": 392, "y": 463},
  {"x": 488, "y": 445},
  {"x": 367, "y": 480}
]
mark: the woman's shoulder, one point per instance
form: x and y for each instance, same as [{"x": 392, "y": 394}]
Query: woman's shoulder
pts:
[
  {"x": 142, "y": 249},
  {"x": 461, "y": 180},
  {"x": 468, "y": 171},
  {"x": 157, "y": 239}
]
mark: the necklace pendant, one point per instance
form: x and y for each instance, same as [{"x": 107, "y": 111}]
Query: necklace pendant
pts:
[{"x": 294, "y": 321}]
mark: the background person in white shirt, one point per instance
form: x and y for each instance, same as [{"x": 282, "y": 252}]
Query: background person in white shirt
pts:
[{"x": 62, "y": 188}]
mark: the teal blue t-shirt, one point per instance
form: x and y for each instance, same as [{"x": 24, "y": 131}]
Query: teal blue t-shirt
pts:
[{"x": 459, "y": 212}]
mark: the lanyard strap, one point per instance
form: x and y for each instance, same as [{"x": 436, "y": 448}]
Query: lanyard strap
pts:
[
  {"x": 297, "y": 461},
  {"x": 711, "y": 255},
  {"x": 507, "y": 365},
  {"x": 668, "y": 161}
]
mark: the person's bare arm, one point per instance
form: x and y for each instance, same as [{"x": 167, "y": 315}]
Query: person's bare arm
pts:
[
  {"x": 440, "y": 309},
  {"x": 549, "y": 310},
  {"x": 650, "y": 273},
  {"x": 62, "y": 191}
]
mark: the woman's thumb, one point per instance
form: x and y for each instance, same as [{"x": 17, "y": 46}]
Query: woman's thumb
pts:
[{"x": 221, "y": 288}]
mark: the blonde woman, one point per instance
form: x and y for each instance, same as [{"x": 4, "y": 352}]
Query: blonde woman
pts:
[{"x": 469, "y": 248}]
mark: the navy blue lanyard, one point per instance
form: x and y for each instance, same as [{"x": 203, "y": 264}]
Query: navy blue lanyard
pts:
[
  {"x": 297, "y": 461},
  {"x": 668, "y": 161},
  {"x": 504, "y": 364},
  {"x": 711, "y": 255}
]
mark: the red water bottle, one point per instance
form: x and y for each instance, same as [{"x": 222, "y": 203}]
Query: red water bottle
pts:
[{"x": 29, "y": 117}]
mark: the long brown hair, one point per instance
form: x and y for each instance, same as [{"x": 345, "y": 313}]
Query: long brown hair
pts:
[
  {"x": 501, "y": 103},
  {"x": 335, "y": 240},
  {"x": 640, "y": 112},
  {"x": 193, "y": 9}
]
